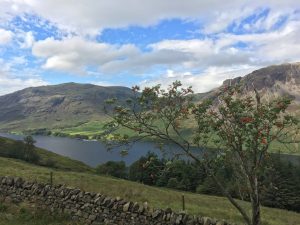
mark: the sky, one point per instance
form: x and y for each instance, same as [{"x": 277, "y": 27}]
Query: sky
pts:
[{"x": 139, "y": 42}]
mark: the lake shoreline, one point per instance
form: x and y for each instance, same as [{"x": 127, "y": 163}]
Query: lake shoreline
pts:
[{"x": 93, "y": 152}]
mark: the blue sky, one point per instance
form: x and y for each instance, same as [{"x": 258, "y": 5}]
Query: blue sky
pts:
[{"x": 141, "y": 42}]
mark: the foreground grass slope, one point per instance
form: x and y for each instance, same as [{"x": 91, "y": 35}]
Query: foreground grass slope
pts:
[
  {"x": 211, "y": 206},
  {"x": 29, "y": 214}
]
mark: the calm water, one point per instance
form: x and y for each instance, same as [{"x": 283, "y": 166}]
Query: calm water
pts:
[
  {"x": 94, "y": 153},
  {"x": 90, "y": 152}
]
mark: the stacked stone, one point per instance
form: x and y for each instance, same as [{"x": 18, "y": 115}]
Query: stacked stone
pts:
[{"x": 94, "y": 208}]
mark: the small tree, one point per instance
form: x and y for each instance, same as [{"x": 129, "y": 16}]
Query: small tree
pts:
[
  {"x": 146, "y": 169},
  {"x": 112, "y": 168},
  {"x": 30, "y": 154},
  {"x": 241, "y": 127}
]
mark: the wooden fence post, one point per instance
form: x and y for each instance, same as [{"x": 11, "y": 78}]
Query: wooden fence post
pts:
[
  {"x": 183, "y": 203},
  {"x": 51, "y": 178}
]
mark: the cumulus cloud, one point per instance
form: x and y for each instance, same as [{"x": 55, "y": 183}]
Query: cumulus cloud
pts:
[
  {"x": 76, "y": 54},
  {"x": 91, "y": 16},
  {"x": 5, "y": 36},
  {"x": 27, "y": 40},
  {"x": 221, "y": 60},
  {"x": 10, "y": 82},
  {"x": 271, "y": 47},
  {"x": 230, "y": 42}
]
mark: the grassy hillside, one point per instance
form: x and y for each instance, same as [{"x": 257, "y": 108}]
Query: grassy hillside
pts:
[
  {"x": 47, "y": 157},
  {"x": 56, "y": 106},
  {"x": 216, "y": 207}
]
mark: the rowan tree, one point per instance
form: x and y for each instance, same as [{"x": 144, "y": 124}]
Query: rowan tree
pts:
[{"x": 239, "y": 126}]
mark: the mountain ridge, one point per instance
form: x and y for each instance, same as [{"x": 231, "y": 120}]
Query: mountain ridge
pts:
[
  {"x": 56, "y": 105},
  {"x": 272, "y": 81},
  {"x": 71, "y": 104},
  {"x": 284, "y": 77}
]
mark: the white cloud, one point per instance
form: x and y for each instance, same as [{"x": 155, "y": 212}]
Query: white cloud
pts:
[
  {"x": 204, "y": 53},
  {"x": 271, "y": 47},
  {"x": 75, "y": 54},
  {"x": 216, "y": 51},
  {"x": 27, "y": 40},
  {"x": 5, "y": 36},
  {"x": 263, "y": 49},
  {"x": 221, "y": 61},
  {"x": 91, "y": 16},
  {"x": 222, "y": 19},
  {"x": 178, "y": 54},
  {"x": 105, "y": 83},
  {"x": 10, "y": 82},
  {"x": 205, "y": 81}
]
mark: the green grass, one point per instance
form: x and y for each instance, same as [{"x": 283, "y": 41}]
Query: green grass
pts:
[
  {"x": 216, "y": 207},
  {"x": 29, "y": 214},
  {"x": 89, "y": 129},
  {"x": 63, "y": 162}
]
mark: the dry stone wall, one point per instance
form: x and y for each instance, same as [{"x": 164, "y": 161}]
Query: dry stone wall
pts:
[{"x": 94, "y": 208}]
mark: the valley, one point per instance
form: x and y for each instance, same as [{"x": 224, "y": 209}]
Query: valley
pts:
[
  {"x": 140, "y": 112},
  {"x": 67, "y": 120},
  {"x": 77, "y": 110}
]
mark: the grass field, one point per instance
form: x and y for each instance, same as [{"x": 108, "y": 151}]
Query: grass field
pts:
[
  {"x": 89, "y": 129},
  {"x": 29, "y": 214},
  {"x": 216, "y": 207}
]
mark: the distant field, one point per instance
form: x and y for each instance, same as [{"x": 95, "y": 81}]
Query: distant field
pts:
[
  {"x": 96, "y": 127},
  {"x": 217, "y": 207},
  {"x": 90, "y": 128}
]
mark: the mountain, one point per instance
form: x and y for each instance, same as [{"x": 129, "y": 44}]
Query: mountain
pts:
[
  {"x": 71, "y": 105},
  {"x": 279, "y": 79},
  {"x": 271, "y": 81},
  {"x": 56, "y": 106}
]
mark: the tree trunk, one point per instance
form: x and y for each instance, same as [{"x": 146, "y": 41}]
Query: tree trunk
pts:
[
  {"x": 232, "y": 201},
  {"x": 256, "y": 217}
]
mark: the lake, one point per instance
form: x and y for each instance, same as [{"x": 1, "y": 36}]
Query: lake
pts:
[
  {"x": 91, "y": 153},
  {"x": 94, "y": 153}
]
